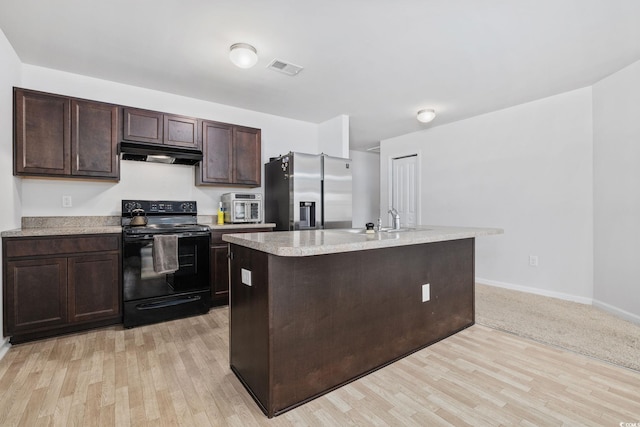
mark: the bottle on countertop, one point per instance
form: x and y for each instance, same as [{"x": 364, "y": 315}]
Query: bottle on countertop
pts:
[{"x": 220, "y": 215}]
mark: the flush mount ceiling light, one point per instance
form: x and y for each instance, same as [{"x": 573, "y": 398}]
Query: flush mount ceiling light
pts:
[
  {"x": 425, "y": 116},
  {"x": 243, "y": 55}
]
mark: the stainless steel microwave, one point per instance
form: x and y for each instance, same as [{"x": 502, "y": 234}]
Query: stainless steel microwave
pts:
[{"x": 242, "y": 207}]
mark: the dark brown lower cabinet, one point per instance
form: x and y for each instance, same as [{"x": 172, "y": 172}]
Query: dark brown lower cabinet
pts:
[
  {"x": 219, "y": 275},
  {"x": 220, "y": 263},
  {"x": 93, "y": 283},
  {"x": 35, "y": 294},
  {"x": 58, "y": 284}
]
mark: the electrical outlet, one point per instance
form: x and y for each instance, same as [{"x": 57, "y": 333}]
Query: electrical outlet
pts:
[
  {"x": 246, "y": 277},
  {"x": 66, "y": 202},
  {"x": 533, "y": 260},
  {"x": 426, "y": 292}
]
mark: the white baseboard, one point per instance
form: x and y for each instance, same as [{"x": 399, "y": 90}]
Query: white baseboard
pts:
[
  {"x": 4, "y": 347},
  {"x": 537, "y": 291},
  {"x": 618, "y": 312},
  {"x": 633, "y": 318}
]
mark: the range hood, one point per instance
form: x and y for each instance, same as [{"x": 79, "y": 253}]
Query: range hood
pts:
[{"x": 159, "y": 153}]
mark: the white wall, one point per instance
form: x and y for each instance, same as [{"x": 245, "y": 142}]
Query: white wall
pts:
[
  {"x": 148, "y": 180},
  {"x": 526, "y": 169},
  {"x": 366, "y": 187},
  {"x": 333, "y": 137},
  {"x": 616, "y": 137},
  {"x": 9, "y": 186}
]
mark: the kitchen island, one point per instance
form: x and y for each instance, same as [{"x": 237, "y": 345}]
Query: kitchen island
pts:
[{"x": 313, "y": 310}]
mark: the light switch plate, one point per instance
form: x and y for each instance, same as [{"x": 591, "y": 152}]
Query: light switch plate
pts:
[
  {"x": 66, "y": 202},
  {"x": 246, "y": 277},
  {"x": 426, "y": 292}
]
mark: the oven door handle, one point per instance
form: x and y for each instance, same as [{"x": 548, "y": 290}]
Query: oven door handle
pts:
[
  {"x": 149, "y": 237},
  {"x": 161, "y": 304}
]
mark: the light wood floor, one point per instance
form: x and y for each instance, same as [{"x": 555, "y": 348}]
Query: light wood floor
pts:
[{"x": 177, "y": 373}]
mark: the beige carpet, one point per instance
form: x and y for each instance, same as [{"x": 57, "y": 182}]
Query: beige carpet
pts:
[{"x": 577, "y": 327}]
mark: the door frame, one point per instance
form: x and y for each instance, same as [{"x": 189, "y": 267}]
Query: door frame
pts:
[{"x": 399, "y": 155}]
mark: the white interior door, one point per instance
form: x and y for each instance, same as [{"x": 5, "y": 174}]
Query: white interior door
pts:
[{"x": 404, "y": 189}]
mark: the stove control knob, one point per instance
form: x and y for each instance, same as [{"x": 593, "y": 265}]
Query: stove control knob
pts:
[{"x": 131, "y": 206}]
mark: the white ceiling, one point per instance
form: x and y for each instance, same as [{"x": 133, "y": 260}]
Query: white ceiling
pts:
[{"x": 377, "y": 61}]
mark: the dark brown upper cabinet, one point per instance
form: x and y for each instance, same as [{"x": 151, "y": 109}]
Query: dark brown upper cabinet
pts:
[
  {"x": 94, "y": 139},
  {"x": 159, "y": 128},
  {"x": 142, "y": 125},
  {"x": 180, "y": 131},
  {"x": 247, "y": 156},
  {"x": 217, "y": 152},
  {"x": 231, "y": 155},
  {"x": 60, "y": 136},
  {"x": 42, "y": 134}
]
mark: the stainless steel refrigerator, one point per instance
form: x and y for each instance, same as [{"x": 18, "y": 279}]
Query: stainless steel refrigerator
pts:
[{"x": 308, "y": 192}]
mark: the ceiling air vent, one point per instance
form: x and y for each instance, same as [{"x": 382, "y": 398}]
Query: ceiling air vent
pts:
[{"x": 284, "y": 67}]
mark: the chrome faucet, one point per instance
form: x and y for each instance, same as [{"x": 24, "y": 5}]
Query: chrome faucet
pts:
[{"x": 396, "y": 218}]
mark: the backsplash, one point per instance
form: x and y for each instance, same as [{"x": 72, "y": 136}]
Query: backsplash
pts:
[{"x": 69, "y": 221}]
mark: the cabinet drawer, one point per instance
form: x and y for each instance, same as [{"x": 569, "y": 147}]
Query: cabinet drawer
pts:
[
  {"x": 35, "y": 246},
  {"x": 216, "y": 235}
]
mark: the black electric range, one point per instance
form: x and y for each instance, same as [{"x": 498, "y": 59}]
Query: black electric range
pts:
[{"x": 152, "y": 294}]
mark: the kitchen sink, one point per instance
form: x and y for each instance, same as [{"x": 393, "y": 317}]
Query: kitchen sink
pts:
[{"x": 394, "y": 230}]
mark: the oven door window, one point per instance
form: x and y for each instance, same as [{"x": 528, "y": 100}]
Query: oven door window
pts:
[
  {"x": 141, "y": 281},
  {"x": 255, "y": 211},
  {"x": 239, "y": 210}
]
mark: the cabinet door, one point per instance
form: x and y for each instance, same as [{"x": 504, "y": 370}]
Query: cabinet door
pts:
[
  {"x": 42, "y": 135},
  {"x": 220, "y": 263},
  {"x": 142, "y": 125},
  {"x": 180, "y": 131},
  {"x": 219, "y": 275},
  {"x": 94, "y": 283},
  {"x": 217, "y": 151},
  {"x": 247, "y": 156},
  {"x": 94, "y": 139},
  {"x": 35, "y": 294}
]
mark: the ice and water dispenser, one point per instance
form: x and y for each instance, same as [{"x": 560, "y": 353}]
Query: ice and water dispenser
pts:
[{"x": 307, "y": 215}]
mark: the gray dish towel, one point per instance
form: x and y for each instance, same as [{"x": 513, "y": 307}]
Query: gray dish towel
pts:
[{"x": 165, "y": 253}]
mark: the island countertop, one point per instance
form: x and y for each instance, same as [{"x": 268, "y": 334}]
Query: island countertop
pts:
[{"x": 320, "y": 242}]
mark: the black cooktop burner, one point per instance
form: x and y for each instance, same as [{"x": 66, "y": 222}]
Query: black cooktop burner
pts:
[{"x": 162, "y": 217}]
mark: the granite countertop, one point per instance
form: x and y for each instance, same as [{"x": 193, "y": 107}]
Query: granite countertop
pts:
[
  {"x": 320, "y": 242},
  {"x": 211, "y": 221},
  {"x": 68, "y": 225},
  {"x": 65, "y": 225},
  {"x": 217, "y": 227}
]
